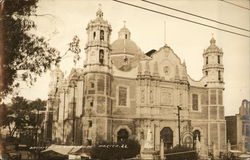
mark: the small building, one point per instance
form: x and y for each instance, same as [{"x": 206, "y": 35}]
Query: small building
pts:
[{"x": 238, "y": 128}]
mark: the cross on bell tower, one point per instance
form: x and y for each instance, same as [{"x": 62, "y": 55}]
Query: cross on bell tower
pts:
[{"x": 99, "y": 13}]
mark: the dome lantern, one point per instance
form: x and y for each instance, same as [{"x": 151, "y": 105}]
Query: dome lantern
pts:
[
  {"x": 212, "y": 41},
  {"x": 124, "y": 33}
]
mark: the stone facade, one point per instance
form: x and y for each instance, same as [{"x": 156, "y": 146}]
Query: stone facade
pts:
[{"x": 122, "y": 93}]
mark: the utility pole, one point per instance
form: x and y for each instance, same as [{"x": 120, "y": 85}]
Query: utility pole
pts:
[
  {"x": 64, "y": 90},
  {"x": 179, "y": 125}
]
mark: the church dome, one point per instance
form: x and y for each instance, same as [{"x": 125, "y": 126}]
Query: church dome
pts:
[
  {"x": 124, "y": 45},
  {"x": 125, "y": 54}
]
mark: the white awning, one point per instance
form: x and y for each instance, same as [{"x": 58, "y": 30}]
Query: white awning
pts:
[
  {"x": 64, "y": 150},
  {"x": 234, "y": 151}
]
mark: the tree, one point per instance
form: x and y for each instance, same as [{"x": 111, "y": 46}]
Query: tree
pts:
[
  {"x": 2, "y": 121},
  {"x": 22, "y": 50},
  {"x": 22, "y": 114},
  {"x": 24, "y": 55}
]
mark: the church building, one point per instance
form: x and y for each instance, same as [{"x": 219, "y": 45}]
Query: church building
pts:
[{"x": 123, "y": 93}]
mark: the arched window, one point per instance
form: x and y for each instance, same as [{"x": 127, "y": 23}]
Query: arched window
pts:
[
  {"x": 94, "y": 35},
  {"x": 196, "y": 134},
  {"x": 101, "y": 56},
  {"x": 126, "y": 36},
  {"x": 91, "y": 103},
  {"x": 219, "y": 76},
  {"x": 90, "y": 123},
  {"x": 102, "y": 35},
  {"x": 247, "y": 146},
  {"x": 206, "y": 73},
  {"x": 122, "y": 96},
  {"x": 100, "y": 84},
  {"x": 89, "y": 142},
  {"x": 218, "y": 59},
  {"x": 248, "y": 110},
  {"x": 206, "y": 60},
  {"x": 195, "y": 102},
  {"x": 92, "y": 85},
  {"x": 167, "y": 135},
  {"x": 122, "y": 135},
  {"x": 247, "y": 130}
]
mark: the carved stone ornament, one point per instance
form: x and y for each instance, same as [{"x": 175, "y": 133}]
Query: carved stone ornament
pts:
[{"x": 166, "y": 70}]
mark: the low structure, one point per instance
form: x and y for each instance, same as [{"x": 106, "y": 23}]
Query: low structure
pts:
[{"x": 238, "y": 128}]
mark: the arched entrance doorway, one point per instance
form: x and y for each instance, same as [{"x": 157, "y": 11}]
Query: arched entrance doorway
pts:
[
  {"x": 167, "y": 135},
  {"x": 122, "y": 135},
  {"x": 196, "y": 134}
]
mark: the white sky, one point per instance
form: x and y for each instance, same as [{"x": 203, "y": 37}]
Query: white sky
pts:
[{"x": 70, "y": 17}]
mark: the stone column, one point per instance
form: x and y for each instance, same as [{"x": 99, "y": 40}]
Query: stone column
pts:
[
  {"x": 162, "y": 150},
  {"x": 157, "y": 137}
]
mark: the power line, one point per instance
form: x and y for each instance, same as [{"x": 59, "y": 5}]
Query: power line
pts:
[
  {"x": 184, "y": 19},
  {"x": 235, "y": 4},
  {"x": 195, "y": 15}
]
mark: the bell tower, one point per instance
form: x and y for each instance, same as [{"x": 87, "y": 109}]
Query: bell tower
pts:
[
  {"x": 97, "y": 81},
  {"x": 98, "y": 45},
  {"x": 213, "y": 68}
]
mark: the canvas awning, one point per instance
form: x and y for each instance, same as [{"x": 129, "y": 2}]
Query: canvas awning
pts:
[
  {"x": 234, "y": 151},
  {"x": 63, "y": 150}
]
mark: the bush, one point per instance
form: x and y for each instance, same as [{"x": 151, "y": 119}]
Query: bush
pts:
[
  {"x": 119, "y": 150},
  {"x": 52, "y": 156},
  {"x": 181, "y": 156}
]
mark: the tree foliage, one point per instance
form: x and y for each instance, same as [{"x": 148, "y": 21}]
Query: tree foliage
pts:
[
  {"x": 22, "y": 50},
  {"x": 25, "y": 56},
  {"x": 74, "y": 47},
  {"x": 22, "y": 114}
]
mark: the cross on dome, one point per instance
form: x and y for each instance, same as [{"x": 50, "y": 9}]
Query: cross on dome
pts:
[
  {"x": 124, "y": 23},
  {"x": 212, "y": 41}
]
